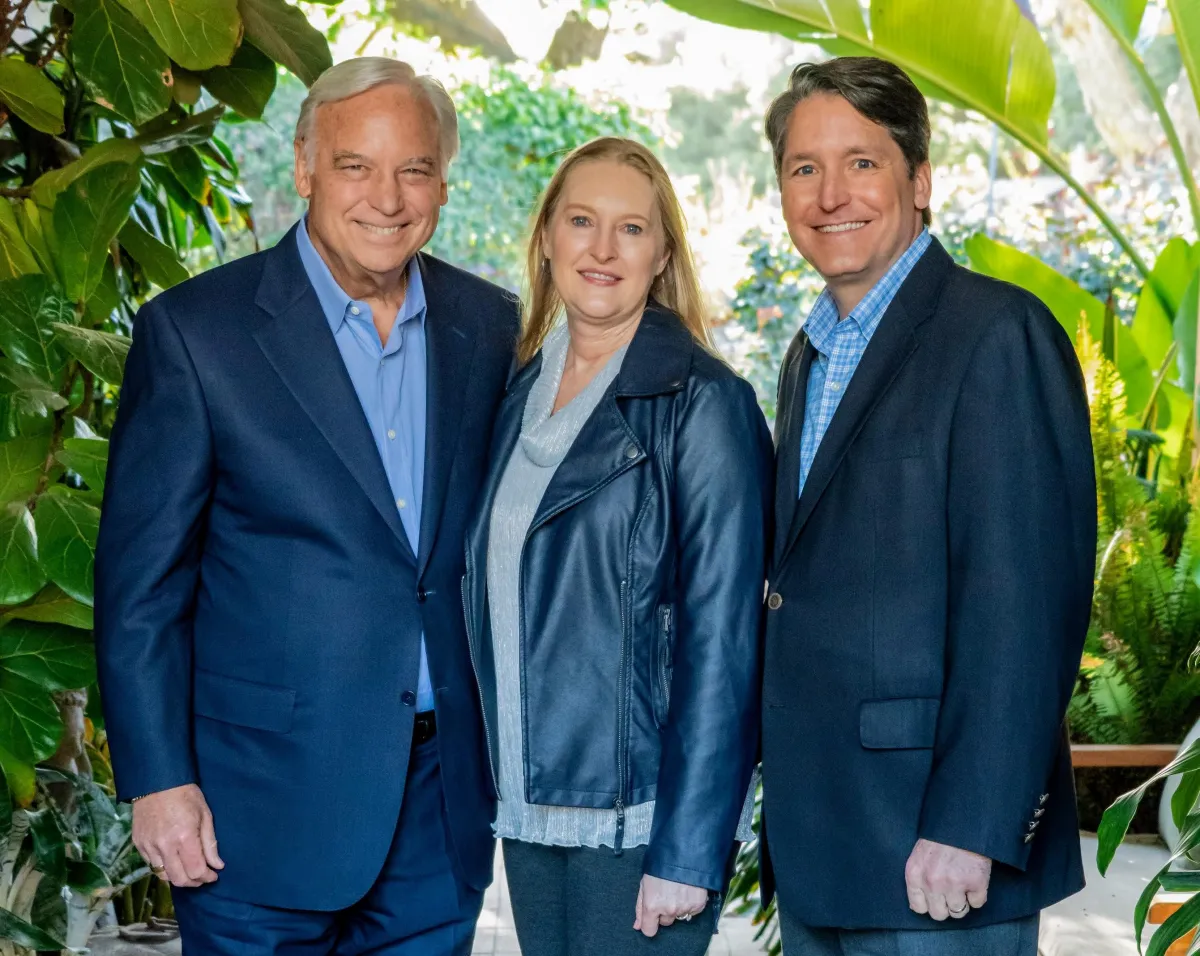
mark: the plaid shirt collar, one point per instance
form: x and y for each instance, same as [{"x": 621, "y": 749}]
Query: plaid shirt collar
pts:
[{"x": 866, "y": 316}]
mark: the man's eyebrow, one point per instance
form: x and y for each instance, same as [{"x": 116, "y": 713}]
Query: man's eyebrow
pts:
[
  {"x": 342, "y": 154},
  {"x": 808, "y": 157}
]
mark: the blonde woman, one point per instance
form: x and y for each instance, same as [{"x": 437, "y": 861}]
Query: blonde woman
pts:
[{"x": 615, "y": 578}]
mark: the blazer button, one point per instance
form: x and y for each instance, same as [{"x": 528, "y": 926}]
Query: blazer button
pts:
[
  {"x": 408, "y": 698},
  {"x": 775, "y": 601},
  {"x": 422, "y": 594}
]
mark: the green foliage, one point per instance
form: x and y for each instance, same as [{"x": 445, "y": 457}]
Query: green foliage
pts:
[{"x": 514, "y": 134}]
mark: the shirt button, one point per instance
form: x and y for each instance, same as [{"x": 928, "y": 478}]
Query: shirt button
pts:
[
  {"x": 355, "y": 310},
  {"x": 401, "y": 503},
  {"x": 408, "y": 698},
  {"x": 392, "y": 434},
  {"x": 835, "y": 386}
]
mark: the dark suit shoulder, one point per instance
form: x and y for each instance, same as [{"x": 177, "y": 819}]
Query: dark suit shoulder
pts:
[
  {"x": 977, "y": 306},
  {"x": 472, "y": 286},
  {"x": 227, "y": 290}
]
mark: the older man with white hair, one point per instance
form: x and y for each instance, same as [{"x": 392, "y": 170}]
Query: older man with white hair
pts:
[{"x": 285, "y": 674}]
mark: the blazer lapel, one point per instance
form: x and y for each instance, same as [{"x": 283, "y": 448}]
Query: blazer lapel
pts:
[
  {"x": 299, "y": 344},
  {"x": 450, "y": 344},
  {"x": 789, "y": 423},
  {"x": 890, "y": 347}
]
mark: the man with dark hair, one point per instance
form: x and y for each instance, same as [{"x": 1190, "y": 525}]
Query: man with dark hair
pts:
[{"x": 932, "y": 573}]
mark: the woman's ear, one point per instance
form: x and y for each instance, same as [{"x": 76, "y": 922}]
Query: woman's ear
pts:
[{"x": 662, "y": 263}]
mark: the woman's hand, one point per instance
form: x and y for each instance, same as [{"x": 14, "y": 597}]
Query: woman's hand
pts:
[{"x": 662, "y": 902}]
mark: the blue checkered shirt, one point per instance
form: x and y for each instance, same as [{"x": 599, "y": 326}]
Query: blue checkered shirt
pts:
[{"x": 840, "y": 347}]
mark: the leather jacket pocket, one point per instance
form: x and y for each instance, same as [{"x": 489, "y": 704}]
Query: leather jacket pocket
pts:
[{"x": 664, "y": 641}]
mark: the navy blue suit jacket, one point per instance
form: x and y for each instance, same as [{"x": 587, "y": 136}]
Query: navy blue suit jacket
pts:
[
  {"x": 930, "y": 594},
  {"x": 258, "y": 605}
]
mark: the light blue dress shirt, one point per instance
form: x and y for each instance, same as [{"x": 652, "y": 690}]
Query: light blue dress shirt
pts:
[
  {"x": 390, "y": 383},
  {"x": 840, "y": 346}
]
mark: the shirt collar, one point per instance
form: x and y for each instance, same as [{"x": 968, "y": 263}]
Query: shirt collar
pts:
[
  {"x": 869, "y": 312},
  {"x": 335, "y": 303}
]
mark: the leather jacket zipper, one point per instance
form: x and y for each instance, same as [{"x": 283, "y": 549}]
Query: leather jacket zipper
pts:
[
  {"x": 487, "y": 733},
  {"x": 622, "y": 733}
]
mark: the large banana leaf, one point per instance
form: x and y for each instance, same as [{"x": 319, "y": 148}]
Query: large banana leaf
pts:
[
  {"x": 984, "y": 54},
  {"x": 1186, "y": 16}
]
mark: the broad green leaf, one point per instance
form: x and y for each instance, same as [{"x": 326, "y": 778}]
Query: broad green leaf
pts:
[
  {"x": 102, "y": 353},
  {"x": 30, "y": 725},
  {"x": 158, "y": 260},
  {"x": 982, "y": 54},
  {"x": 1156, "y": 310},
  {"x": 1185, "y": 14},
  {"x": 49, "y": 843},
  {"x": 105, "y": 298},
  {"x": 1184, "y": 798},
  {"x": 24, "y": 933},
  {"x": 86, "y": 877},
  {"x": 21, "y": 577},
  {"x": 29, "y": 307},
  {"x": 53, "y": 606},
  {"x": 196, "y": 34},
  {"x": 119, "y": 60},
  {"x": 188, "y": 168},
  {"x": 1124, "y": 16},
  {"x": 88, "y": 458},
  {"x": 23, "y": 395},
  {"x": 29, "y": 93},
  {"x": 87, "y": 217},
  {"x": 37, "y": 228},
  {"x": 16, "y": 258},
  {"x": 164, "y": 134},
  {"x": 1070, "y": 304},
  {"x": 67, "y": 524},
  {"x": 1116, "y": 819},
  {"x": 246, "y": 84},
  {"x": 1185, "y": 321},
  {"x": 21, "y": 779},
  {"x": 50, "y": 655},
  {"x": 49, "y": 185},
  {"x": 22, "y": 462},
  {"x": 283, "y": 33}
]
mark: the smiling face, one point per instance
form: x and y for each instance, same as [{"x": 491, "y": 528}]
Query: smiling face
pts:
[
  {"x": 605, "y": 243},
  {"x": 374, "y": 184},
  {"x": 850, "y": 205}
]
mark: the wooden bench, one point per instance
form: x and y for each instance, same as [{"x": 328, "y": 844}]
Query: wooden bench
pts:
[{"x": 1123, "y": 755}]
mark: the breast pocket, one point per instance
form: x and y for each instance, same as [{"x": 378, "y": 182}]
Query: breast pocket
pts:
[{"x": 896, "y": 446}]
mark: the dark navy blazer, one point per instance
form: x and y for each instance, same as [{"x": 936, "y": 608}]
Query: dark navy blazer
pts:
[
  {"x": 258, "y": 605},
  {"x": 929, "y": 596}
]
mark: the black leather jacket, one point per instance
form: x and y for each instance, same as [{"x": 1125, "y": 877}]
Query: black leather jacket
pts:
[{"x": 642, "y": 586}]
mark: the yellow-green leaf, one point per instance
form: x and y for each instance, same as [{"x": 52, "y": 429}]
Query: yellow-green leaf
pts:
[
  {"x": 88, "y": 458},
  {"x": 246, "y": 84},
  {"x": 1185, "y": 14},
  {"x": 52, "y": 605},
  {"x": 87, "y": 217},
  {"x": 158, "y": 260},
  {"x": 196, "y": 34},
  {"x": 16, "y": 257},
  {"x": 67, "y": 524},
  {"x": 1125, "y": 16},
  {"x": 31, "y": 95},
  {"x": 102, "y": 353},
  {"x": 22, "y": 461},
  {"x": 49, "y": 185}
]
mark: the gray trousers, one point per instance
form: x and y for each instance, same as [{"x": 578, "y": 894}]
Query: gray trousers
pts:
[
  {"x": 581, "y": 901},
  {"x": 1014, "y": 938}
]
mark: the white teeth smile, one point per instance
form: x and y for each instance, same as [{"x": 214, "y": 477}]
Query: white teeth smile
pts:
[
  {"x": 600, "y": 276},
  {"x": 841, "y": 227},
  {"x": 380, "y": 230}
]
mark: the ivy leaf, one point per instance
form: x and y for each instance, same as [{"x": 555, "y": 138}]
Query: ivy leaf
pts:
[
  {"x": 67, "y": 524},
  {"x": 119, "y": 60},
  {"x": 196, "y": 34},
  {"x": 102, "y": 353},
  {"x": 21, "y": 464},
  {"x": 88, "y": 458},
  {"x": 53, "y": 606},
  {"x": 23, "y": 395},
  {"x": 246, "y": 84},
  {"x": 21, "y": 577},
  {"x": 29, "y": 306},
  {"x": 283, "y": 33},
  {"x": 31, "y": 95},
  {"x": 158, "y": 260},
  {"x": 87, "y": 217}
]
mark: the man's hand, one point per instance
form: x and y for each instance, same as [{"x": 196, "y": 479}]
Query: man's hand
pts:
[
  {"x": 173, "y": 831},
  {"x": 946, "y": 881},
  {"x": 661, "y": 902}
]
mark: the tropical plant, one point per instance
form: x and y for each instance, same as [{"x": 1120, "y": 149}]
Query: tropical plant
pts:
[{"x": 110, "y": 179}]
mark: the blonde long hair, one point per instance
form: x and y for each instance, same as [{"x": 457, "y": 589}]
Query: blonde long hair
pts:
[{"x": 677, "y": 287}]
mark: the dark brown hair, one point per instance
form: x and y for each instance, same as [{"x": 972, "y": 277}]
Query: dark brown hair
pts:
[{"x": 879, "y": 90}]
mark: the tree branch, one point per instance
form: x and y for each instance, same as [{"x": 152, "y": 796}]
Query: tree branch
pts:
[{"x": 14, "y": 24}]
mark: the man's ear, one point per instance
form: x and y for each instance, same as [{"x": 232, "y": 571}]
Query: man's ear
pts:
[
  {"x": 923, "y": 186},
  {"x": 300, "y": 170}
]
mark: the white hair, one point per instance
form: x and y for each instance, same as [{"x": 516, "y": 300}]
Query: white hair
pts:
[{"x": 352, "y": 77}]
